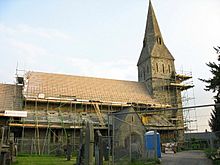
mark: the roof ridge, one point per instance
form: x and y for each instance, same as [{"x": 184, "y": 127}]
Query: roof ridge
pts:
[{"x": 60, "y": 74}]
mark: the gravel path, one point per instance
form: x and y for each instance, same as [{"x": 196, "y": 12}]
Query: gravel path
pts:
[{"x": 186, "y": 158}]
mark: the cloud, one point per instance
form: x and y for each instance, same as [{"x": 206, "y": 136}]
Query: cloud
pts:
[
  {"x": 120, "y": 69},
  {"x": 24, "y": 29},
  {"x": 28, "y": 48},
  {"x": 26, "y": 42},
  {"x": 28, "y": 52}
]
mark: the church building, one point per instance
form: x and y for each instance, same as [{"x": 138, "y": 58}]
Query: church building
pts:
[{"x": 57, "y": 104}]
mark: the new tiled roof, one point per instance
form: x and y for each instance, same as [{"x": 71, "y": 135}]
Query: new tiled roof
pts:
[
  {"x": 88, "y": 88},
  {"x": 10, "y": 97}
]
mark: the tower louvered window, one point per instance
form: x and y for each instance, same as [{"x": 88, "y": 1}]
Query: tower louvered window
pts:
[
  {"x": 157, "y": 69},
  {"x": 163, "y": 68},
  {"x": 159, "y": 41}
]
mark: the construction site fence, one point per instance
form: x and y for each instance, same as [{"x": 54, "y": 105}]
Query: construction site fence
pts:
[
  {"x": 211, "y": 141},
  {"x": 43, "y": 147}
]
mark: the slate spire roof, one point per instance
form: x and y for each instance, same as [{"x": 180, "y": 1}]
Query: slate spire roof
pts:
[
  {"x": 152, "y": 38},
  {"x": 152, "y": 27}
]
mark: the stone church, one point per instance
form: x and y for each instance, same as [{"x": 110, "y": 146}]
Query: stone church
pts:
[{"x": 57, "y": 104}]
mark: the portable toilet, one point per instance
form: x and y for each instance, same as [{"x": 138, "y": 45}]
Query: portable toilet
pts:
[{"x": 152, "y": 143}]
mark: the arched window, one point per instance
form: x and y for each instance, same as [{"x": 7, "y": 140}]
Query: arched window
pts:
[
  {"x": 163, "y": 68},
  {"x": 169, "y": 69},
  {"x": 157, "y": 69}
]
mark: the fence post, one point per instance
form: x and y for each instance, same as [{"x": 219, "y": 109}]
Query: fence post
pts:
[
  {"x": 48, "y": 144},
  {"x": 113, "y": 138},
  {"x": 109, "y": 139},
  {"x": 211, "y": 140},
  {"x": 155, "y": 144},
  {"x": 31, "y": 145},
  {"x": 130, "y": 142}
]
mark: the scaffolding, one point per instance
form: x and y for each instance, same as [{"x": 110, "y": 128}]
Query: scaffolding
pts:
[
  {"x": 175, "y": 89},
  {"x": 53, "y": 118},
  {"x": 184, "y": 83},
  {"x": 188, "y": 99}
]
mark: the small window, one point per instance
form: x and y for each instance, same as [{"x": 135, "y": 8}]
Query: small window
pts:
[
  {"x": 157, "y": 69},
  {"x": 163, "y": 68},
  {"x": 132, "y": 118},
  {"x": 144, "y": 43},
  {"x": 169, "y": 70},
  {"x": 159, "y": 41}
]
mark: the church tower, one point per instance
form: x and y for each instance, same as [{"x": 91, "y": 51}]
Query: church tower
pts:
[
  {"x": 156, "y": 64},
  {"x": 157, "y": 70}
]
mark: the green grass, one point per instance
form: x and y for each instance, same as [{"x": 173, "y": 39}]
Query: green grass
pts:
[
  {"x": 42, "y": 160},
  {"x": 53, "y": 160},
  {"x": 45, "y": 160},
  {"x": 216, "y": 162}
]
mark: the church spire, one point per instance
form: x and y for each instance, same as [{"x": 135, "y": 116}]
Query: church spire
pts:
[
  {"x": 152, "y": 28},
  {"x": 153, "y": 39}
]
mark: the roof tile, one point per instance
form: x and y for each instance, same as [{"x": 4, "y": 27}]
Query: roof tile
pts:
[{"x": 89, "y": 88}]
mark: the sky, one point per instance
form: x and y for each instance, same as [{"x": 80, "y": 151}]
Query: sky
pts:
[{"x": 102, "y": 38}]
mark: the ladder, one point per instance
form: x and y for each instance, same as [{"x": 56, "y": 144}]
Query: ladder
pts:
[{"x": 97, "y": 110}]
